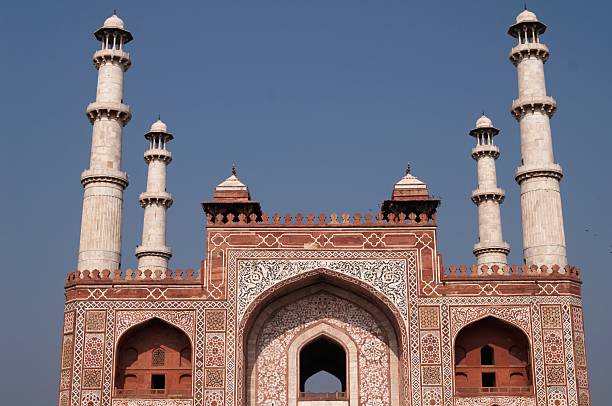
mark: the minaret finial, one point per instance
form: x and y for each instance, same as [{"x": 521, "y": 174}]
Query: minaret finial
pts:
[
  {"x": 158, "y": 117},
  {"x": 234, "y": 169},
  {"x": 483, "y": 113},
  {"x": 408, "y": 168}
]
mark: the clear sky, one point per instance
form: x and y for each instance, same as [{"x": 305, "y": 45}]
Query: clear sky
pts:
[{"x": 320, "y": 103}]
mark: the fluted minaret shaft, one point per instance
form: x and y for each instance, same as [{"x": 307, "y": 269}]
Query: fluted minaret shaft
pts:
[
  {"x": 491, "y": 248},
  {"x": 104, "y": 181},
  {"x": 538, "y": 176},
  {"x": 153, "y": 254}
]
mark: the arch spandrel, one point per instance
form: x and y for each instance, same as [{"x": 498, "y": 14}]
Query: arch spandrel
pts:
[
  {"x": 184, "y": 320},
  {"x": 517, "y": 316},
  {"x": 388, "y": 277}
]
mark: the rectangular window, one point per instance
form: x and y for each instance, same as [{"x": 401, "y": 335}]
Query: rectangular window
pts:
[
  {"x": 158, "y": 382},
  {"x": 488, "y": 379}
]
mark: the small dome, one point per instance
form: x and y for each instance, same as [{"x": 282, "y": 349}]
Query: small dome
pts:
[
  {"x": 231, "y": 183},
  {"x": 114, "y": 22},
  {"x": 484, "y": 122},
  {"x": 159, "y": 127},
  {"x": 526, "y": 16}
]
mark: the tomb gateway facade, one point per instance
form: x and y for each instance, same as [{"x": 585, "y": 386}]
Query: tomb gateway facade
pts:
[{"x": 363, "y": 300}]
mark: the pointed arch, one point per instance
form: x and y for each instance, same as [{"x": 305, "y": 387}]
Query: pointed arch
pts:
[
  {"x": 312, "y": 334},
  {"x": 127, "y": 319},
  {"x": 343, "y": 286},
  {"x": 497, "y": 358},
  {"x": 148, "y": 361}
]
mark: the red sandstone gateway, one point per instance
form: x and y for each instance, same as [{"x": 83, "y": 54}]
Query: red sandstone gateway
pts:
[{"x": 361, "y": 302}]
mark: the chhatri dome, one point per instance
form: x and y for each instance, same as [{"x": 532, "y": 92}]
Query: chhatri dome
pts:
[
  {"x": 232, "y": 184},
  {"x": 410, "y": 181},
  {"x": 159, "y": 127},
  {"x": 484, "y": 122},
  {"x": 526, "y": 16},
  {"x": 114, "y": 22}
]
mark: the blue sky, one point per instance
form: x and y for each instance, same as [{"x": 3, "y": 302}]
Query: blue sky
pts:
[{"x": 321, "y": 104}]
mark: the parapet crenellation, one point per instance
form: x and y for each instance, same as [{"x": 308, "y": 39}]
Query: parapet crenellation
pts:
[
  {"x": 452, "y": 273},
  {"x": 321, "y": 220},
  {"x": 135, "y": 276},
  {"x": 534, "y": 272}
]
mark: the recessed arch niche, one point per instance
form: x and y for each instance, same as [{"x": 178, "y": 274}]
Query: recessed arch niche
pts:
[
  {"x": 301, "y": 316},
  {"x": 150, "y": 361}
]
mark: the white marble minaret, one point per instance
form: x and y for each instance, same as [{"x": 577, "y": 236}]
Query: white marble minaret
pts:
[
  {"x": 153, "y": 254},
  {"x": 104, "y": 181},
  {"x": 491, "y": 248},
  {"x": 538, "y": 176}
]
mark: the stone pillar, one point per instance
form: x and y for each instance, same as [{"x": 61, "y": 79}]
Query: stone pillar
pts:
[
  {"x": 104, "y": 182},
  {"x": 538, "y": 176},
  {"x": 153, "y": 254},
  {"x": 491, "y": 248}
]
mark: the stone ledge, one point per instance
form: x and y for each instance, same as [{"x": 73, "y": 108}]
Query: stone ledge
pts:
[
  {"x": 524, "y": 105},
  {"x": 116, "y": 55},
  {"x": 149, "y": 198},
  {"x": 522, "y": 51},
  {"x": 157, "y": 153},
  {"x": 497, "y": 195},
  {"x": 164, "y": 252},
  {"x": 104, "y": 176},
  {"x": 117, "y": 111},
  {"x": 484, "y": 150},
  {"x": 527, "y": 172}
]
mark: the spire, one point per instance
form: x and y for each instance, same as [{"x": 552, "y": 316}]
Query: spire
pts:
[
  {"x": 491, "y": 249},
  {"x": 539, "y": 175},
  {"x": 153, "y": 254},
  {"x": 104, "y": 181}
]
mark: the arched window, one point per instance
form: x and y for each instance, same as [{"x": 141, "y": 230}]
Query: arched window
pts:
[
  {"x": 487, "y": 356},
  {"x": 322, "y": 370},
  {"x": 492, "y": 356},
  {"x": 151, "y": 362}
]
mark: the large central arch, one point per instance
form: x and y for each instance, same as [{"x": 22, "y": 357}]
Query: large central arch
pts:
[{"x": 336, "y": 290}]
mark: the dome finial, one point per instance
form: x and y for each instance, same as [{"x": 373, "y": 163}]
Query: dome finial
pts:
[
  {"x": 525, "y": 8},
  {"x": 158, "y": 117},
  {"x": 234, "y": 169},
  {"x": 408, "y": 168},
  {"x": 114, "y": 11}
]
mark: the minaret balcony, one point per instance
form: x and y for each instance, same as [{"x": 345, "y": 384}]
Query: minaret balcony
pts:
[
  {"x": 496, "y": 194},
  {"x": 152, "y": 198},
  {"x": 112, "y": 55},
  {"x": 486, "y": 247},
  {"x": 162, "y": 251},
  {"x": 524, "y": 105},
  {"x": 104, "y": 175},
  {"x": 115, "y": 111},
  {"x": 522, "y": 51},
  {"x": 157, "y": 153},
  {"x": 480, "y": 151},
  {"x": 538, "y": 171}
]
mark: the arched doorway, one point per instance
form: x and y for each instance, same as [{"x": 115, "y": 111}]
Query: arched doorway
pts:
[
  {"x": 153, "y": 359},
  {"x": 322, "y": 369},
  {"x": 360, "y": 344},
  {"x": 492, "y": 356}
]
